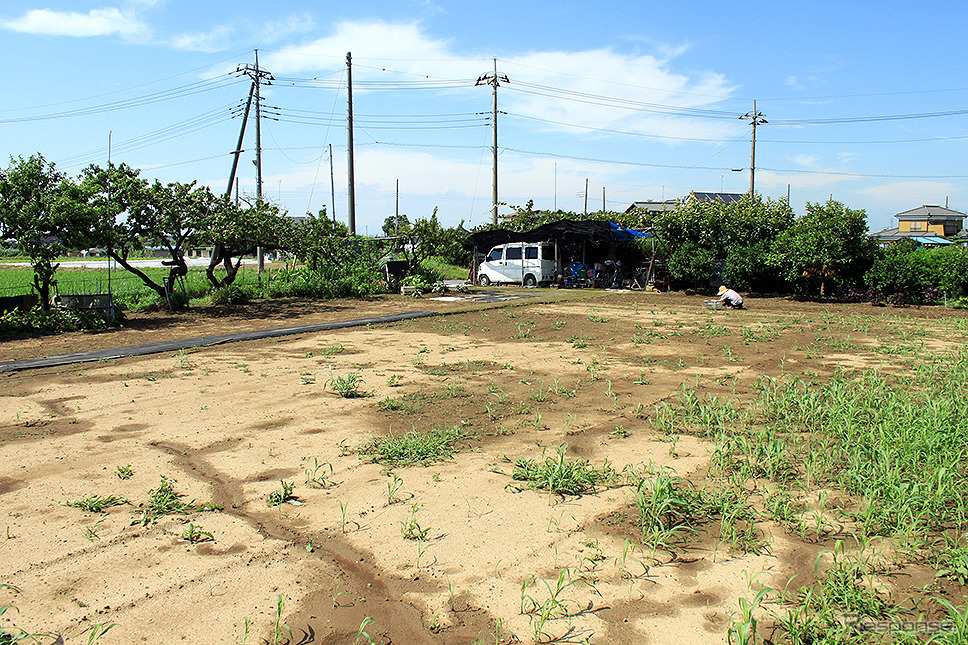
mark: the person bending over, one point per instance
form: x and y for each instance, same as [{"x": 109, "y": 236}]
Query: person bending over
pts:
[{"x": 730, "y": 298}]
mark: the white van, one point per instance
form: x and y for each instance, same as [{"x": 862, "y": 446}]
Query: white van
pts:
[{"x": 523, "y": 263}]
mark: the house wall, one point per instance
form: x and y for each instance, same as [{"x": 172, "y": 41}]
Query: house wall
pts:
[{"x": 942, "y": 228}]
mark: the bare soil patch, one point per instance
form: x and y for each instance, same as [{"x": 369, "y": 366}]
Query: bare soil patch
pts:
[{"x": 227, "y": 425}]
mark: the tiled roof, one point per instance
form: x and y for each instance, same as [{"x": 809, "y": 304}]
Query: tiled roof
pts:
[{"x": 929, "y": 211}]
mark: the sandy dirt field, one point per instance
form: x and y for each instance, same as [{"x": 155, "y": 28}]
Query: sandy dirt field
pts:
[{"x": 227, "y": 427}]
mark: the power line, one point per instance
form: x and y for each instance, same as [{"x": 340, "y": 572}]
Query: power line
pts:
[{"x": 184, "y": 91}]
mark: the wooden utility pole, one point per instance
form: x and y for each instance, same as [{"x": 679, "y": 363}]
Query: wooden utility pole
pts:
[
  {"x": 755, "y": 118},
  {"x": 495, "y": 81},
  {"x": 349, "y": 139},
  {"x": 586, "y": 196}
]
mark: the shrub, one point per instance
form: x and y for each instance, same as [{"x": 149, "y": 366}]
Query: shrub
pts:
[
  {"x": 232, "y": 294},
  {"x": 38, "y": 322}
]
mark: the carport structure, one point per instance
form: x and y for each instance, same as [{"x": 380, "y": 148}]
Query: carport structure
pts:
[{"x": 573, "y": 241}]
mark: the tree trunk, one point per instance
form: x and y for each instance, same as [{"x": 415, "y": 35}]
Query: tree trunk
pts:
[{"x": 151, "y": 284}]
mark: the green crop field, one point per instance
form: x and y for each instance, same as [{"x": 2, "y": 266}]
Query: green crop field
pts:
[{"x": 128, "y": 289}]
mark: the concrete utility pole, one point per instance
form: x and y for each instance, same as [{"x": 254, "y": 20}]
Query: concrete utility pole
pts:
[
  {"x": 238, "y": 146},
  {"x": 258, "y": 76},
  {"x": 755, "y": 118},
  {"x": 349, "y": 140},
  {"x": 495, "y": 81},
  {"x": 332, "y": 184}
]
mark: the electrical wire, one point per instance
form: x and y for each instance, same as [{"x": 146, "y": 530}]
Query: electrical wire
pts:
[{"x": 192, "y": 89}]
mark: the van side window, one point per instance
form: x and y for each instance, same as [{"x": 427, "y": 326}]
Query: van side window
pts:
[
  {"x": 512, "y": 253},
  {"x": 548, "y": 252},
  {"x": 531, "y": 253},
  {"x": 495, "y": 254}
]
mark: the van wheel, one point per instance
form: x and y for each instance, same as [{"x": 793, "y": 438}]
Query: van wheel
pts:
[
  {"x": 483, "y": 280},
  {"x": 530, "y": 280}
]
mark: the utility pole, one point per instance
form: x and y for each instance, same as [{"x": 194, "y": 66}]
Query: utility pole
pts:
[
  {"x": 755, "y": 118},
  {"x": 349, "y": 139},
  {"x": 396, "y": 211},
  {"x": 603, "y": 200},
  {"x": 495, "y": 81},
  {"x": 258, "y": 76},
  {"x": 238, "y": 146},
  {"x": 332, "y": 184},
  {"x": 586, "y": 196}
]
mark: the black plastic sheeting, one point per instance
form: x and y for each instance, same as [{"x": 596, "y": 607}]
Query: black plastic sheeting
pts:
[
  {"x": 590, "y": 230},
  {"x": 175, "y": 345}
]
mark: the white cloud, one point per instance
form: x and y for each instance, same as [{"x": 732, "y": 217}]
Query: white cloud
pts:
[
  {"x": 372, "y": 41},
  {"x": 770, "y": 179},
  {"x": 97, "y": 22},
  {"x": 807, "y": 161},
  {"x": 278, "y": 29},
  {"x": 912, "y": 193},
  {"x": 643, "y": 83},
  {"x": 214, "y": 40}
]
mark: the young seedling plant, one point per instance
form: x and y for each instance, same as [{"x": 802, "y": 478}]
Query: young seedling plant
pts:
[
  {"x": 349, "y": 386},
  {"x": 280, "y": 497}
]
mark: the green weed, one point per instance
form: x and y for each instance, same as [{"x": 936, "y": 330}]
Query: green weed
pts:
[
  {"x": 317, "y": 475},
  {"x": 558, "y": 474},
  {"x": 416, "y": 447},
  {"x": 349, "y": 386},
  {"x": 97, "y": 503},
  {"x": 279, "y": 497},
  {"x": 194, "y": 534}
]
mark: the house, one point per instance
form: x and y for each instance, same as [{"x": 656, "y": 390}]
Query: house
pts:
[
  {"x": 927, "y": 225},
  {"x": 670, "y": 204}
]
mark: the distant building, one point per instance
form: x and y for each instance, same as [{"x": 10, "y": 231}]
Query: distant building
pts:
[
  {"x": 927, "y": 225},
  {"x": 670, "y": 204}
]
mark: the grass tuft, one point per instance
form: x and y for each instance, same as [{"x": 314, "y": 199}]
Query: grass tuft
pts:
[
  {"x": 557, "y": 474},
  {"x": 415, "y": 447}
]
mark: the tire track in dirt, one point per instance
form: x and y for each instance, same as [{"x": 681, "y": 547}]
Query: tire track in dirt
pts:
[{"x": 369, "y": 592}]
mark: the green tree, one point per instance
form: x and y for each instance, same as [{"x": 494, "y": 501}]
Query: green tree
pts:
[
  {"x": 905, "y": 268},
  {"x": 703, "y": 240},
  {"x": 427, "y": 239},
  {"x": 826, "y": 248},
  {"x": 318, "y": 241},
  {"x": 396, "y": 225},
  {"x": 44, "y": 211},
  {"x": 234, "y": 232},
  {"x": 133, "y": 214}
]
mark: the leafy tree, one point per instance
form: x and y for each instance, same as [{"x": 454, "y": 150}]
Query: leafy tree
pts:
[
  {"x": 133, "y": 214},
  {"x": 235, "y": 232},
  {"x": 318, "y": 241},
  {"x": 704, "y": 239},
  {"x": 692, "y": 264},
  {"x": 43, "y": 210},
  {"x": 906, "y": 269},
  {"x": 427, "y": 238},
  {"x": 396, "y": 225},
  {"x": 827, "y": 247}
]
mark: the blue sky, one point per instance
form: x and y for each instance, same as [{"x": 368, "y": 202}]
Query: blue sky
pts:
[{"x": 641, "y": 99}]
